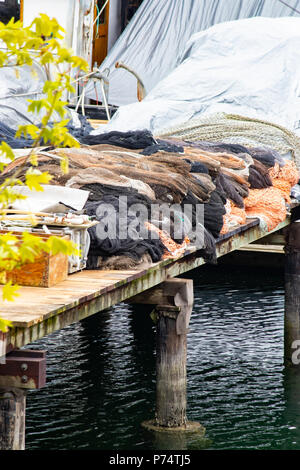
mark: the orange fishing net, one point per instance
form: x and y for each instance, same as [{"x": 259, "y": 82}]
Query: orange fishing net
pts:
[
  {"x": 284, "y": 187},
  {"x": 284, "y": 178},
  {"x": 288, "y": 172},
  {"x": 234, "y": 216},
  {"x": 173, "y": 249},
  {"x": 267, "y": 203}
]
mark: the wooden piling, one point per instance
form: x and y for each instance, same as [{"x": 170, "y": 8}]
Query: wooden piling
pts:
[
  {"x": 174, "y": 302},
  {"x": 292, "y": 295},
  {"x": 170, "y": 370},
  {"x": 12, "y": 419}
]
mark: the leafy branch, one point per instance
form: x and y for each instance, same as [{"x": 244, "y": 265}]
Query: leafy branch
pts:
[{"x": 40, "y": 42}]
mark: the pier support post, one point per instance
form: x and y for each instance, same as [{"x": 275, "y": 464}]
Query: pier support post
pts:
[
  {"x": 12, "y": 419},
  {"x": 170, "y": 369},
  {"x": 174, "y": 302},
  {"x": 20, "y": 370},
  {"x": 292, "y": 295}
]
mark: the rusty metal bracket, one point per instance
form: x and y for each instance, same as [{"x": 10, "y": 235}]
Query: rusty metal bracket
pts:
[{"x": 24, "y": 369}]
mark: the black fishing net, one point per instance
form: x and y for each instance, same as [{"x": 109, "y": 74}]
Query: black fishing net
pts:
[
  {"x": 258, "y": 176},
  {"x": 219, "y": 147},
  {"x": 266, "y": 156},
  {"x": 130, "y": 140},
  {"x": 197, "y": 167},
  {"x": 97, "y": 191},
  {"x": 119, "y": 241},
  {"x": 227, "y": 190},
  {"x": 7, "y": 134},
  {"x": 213, "y": 213},
  {"x": 164, "y": 146}
]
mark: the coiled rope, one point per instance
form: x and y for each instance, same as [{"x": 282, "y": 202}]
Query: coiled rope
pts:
[{"x": 233, "y": 128}]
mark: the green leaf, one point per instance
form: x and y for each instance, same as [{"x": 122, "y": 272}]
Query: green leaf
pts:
[
  {"x": 9, "y": 291},
  {"x": 36, "y": 106},
  {"x": 64, "y": 165},
  {"x": 34, "y": 43},
  {"x": 80, "y": 63},
  {"x": 60, "y": 245},
  {"x": 22, "y": 45},
  {"x": 34, "y": 179},
  {"x": 4, "y": 324},
  {"x": 47, "y": 58},
  {"x": 7, "y": 150},
  {"x": 50, "y": 86},
  {"x": 33, "y": 159}
]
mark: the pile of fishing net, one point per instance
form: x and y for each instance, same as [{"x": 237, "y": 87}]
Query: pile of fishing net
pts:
[
  {"x": 236, "y": 129},
  {"x": 202, "y": 188},
  {"x": 110, "y": 173},
  {"x": 265, "y": 192},
  {"x": 79, "y": 131}
]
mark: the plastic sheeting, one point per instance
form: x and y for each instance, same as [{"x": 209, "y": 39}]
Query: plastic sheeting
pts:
[
  {"x": 153, "y": 42},
  {"x": 52, "y": 199},
  {"x": 248, "y": 67},
  {"x": 18, "y": 84}
]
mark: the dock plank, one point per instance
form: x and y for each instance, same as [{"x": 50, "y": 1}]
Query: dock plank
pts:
[{"x": 263, "y": 248}]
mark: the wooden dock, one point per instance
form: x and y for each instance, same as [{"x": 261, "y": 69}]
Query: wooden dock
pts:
[{"x": 38, "y": 312}]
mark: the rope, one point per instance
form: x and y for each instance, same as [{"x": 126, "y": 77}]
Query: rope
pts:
[
  {"x": 233, "y": 128},
  {"x": 100, "y": 12},
  {"x": 289, "y": 6}
]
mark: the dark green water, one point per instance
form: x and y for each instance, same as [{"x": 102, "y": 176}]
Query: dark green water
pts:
[{"x": 101, "y": 373}]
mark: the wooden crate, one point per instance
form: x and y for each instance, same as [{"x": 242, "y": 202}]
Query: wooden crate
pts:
[{"x": 46, "y": 271}]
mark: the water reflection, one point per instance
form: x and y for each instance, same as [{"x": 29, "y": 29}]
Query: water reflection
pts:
[
  {"x": 101, "y": 373},
  {"x": 291, "y": 414}
]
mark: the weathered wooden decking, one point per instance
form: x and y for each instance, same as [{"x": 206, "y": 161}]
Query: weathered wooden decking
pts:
[{"x": 38, "y": 312}]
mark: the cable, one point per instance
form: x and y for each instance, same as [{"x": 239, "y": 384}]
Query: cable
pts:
[
  {"x": 100, "y": 12},
  {"x": 104, "y": 99},
  {"x": 98, "y": 21},
  {"x": 82, "y": 101},
  {"x": 96, "y": 93},
  {"x": 289, "y": 6}
]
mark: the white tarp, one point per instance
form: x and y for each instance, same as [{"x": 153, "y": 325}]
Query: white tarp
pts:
[
  {"x": 154, "y": 40},
  {"x": 249, "y": 67},
  {"x": 18, "y": 84},
  {"x": 52, "y": 199}
]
